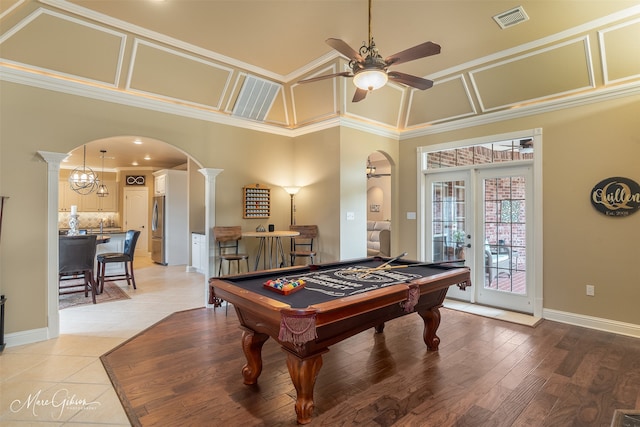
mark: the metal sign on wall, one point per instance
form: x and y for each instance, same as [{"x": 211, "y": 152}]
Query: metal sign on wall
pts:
[
  {"x": 616, "y": 196},
  {"x": 135, "y": 180}
]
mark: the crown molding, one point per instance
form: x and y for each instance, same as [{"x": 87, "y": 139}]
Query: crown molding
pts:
[
  {"x": 29, "y": 78},
  {"x": 530, "y": 110},
  {"x": 117, "y": 96}
]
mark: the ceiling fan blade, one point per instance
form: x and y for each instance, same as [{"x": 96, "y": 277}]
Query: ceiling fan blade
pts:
[
  {"x": 359, "y": 95},
  {"x": 328, "y": 76},
  {"x": 416, "y": 52},
  {"x": 344, "y": 49},
  {"x": 409, "y": 80}
]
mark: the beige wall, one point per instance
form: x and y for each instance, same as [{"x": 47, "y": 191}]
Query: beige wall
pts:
[
  {"x": 33, "y": 120},
  {"x": 582, "y": 145}
]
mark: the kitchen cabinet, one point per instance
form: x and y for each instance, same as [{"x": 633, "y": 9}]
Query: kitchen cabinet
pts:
[
  {"x": 90, "y": 202},
  {"x": 93, "y": 203},
  {"x": 67, "y": 197},
  {"x": 199, "y": 252},
  {"x": 160, "y": 185}
]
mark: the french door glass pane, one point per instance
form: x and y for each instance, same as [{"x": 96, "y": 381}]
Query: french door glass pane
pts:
[
  {"x": 505, "y": 234},
  {"x": 448, "y": 224}
]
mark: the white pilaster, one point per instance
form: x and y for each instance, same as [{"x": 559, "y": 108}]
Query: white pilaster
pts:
[
  {"x": 53, "y": 175},
  {"x": 209, "y": 222}
]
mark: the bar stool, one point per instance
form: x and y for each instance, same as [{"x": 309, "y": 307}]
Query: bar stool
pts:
[
  {"x": 227, "y": 239},
  {"x": 126, "y": 257}
]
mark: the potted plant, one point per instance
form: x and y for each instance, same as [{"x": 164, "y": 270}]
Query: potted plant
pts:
[{"x": 458, "y": 238}]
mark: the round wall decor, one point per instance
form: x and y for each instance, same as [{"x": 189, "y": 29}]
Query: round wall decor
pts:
[{"x": 616, "y": 196}]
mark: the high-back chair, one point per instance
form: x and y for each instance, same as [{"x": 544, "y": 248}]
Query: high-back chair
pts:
[
  {"x": 228, "y": 242},
  {"x": 302, "y": 245},
  {"x": 76, "y": 256},
  {"x": 126, "y": 257}
]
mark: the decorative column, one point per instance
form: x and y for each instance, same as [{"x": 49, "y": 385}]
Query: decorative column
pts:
[
  {"x": 53, "y": 175},
  {"x": 209, "y": 222}
]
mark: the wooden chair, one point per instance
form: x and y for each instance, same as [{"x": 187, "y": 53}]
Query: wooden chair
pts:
[
  {"x": 228, "y": 242},
  {"x": 126, "y": 257},
  {"x": 302, "y": 245},
  {"x": 76, "y": 256}
]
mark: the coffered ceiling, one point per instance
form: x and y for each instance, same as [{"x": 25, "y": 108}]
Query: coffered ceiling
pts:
[{"x": 239, "y": 61}]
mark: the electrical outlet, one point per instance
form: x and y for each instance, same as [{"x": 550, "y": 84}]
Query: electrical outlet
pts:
[{"x": 591, "y": 290}]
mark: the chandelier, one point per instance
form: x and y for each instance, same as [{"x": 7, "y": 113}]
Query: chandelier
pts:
[
  {"x": 83, "y": 180},
  {"x": 371, "y": 171},
  {"x": 103, "y": 191}
]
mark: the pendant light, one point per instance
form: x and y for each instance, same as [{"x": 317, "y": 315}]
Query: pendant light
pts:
[
  {"x": 83, "y": 180},
  {"x": 103, "y": 191}
]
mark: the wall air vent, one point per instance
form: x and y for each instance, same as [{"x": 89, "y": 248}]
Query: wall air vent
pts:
[
  {"x": 511, "y": 17},
  {"x": 255, "y": 99}
]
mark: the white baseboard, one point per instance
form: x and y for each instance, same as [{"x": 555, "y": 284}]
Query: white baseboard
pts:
[
  {"x": 26, "y": 337},
  {"x": 597, "y": 323}
]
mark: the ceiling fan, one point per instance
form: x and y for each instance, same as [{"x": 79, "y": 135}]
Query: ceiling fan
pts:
[
  {"x": 370, "y": 71},
  {"x": 523, "y": 146}
]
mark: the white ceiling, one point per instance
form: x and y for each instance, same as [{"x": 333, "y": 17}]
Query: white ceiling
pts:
[{"x": 283, "y": 39}]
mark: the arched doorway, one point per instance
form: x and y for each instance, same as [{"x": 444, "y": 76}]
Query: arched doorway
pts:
[
  {"x": 54, "y": 161},
  {"x": 122, "y": 164},
  {"x": 379, "y": 196}
]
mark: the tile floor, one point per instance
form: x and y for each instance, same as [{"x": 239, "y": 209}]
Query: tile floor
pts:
[{"x": 61, "y": 381}]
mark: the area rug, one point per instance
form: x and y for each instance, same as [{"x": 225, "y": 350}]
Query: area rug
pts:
[{"x": 112, "y": 292}]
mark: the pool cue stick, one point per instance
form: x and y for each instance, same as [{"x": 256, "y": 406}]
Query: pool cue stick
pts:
[
  {"x": 382, "y": 266},
  {"x": 393, "y": 267}
]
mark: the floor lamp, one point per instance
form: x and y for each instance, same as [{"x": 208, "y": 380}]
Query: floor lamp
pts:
[{"x": 292, "y": 192}]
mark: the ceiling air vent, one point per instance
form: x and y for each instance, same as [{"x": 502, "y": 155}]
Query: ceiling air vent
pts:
[
  {"x": 511, "y": 17},
  {"x": 255, "y": 99}
]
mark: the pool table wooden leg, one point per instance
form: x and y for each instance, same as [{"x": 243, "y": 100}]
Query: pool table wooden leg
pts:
[
  {"x": 252, "y": 343},
  {"x": 304, "y": 372},
  {"x": 431, "y": 319}
]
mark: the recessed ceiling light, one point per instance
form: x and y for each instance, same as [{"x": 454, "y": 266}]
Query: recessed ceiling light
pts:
[
  {"x": 137, "y": 141},
  {"x": 134, "y": 164},
  {"x": 147, "y": 157}
]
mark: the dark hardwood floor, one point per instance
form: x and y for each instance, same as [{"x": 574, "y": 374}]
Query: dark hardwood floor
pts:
[{"x": 185, "y": 371}]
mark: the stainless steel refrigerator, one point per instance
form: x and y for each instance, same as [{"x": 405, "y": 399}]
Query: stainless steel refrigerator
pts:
[{"x": 158, "y": 244}]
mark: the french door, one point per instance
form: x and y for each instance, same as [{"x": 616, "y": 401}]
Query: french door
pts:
[
  {"x": 450, "y": 222},
  {"x": 480, "y": 216}
]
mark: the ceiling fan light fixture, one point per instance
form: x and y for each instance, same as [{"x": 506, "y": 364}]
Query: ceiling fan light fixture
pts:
[{"x": 370, "y": 79}]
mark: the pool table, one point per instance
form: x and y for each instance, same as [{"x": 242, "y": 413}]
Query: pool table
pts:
[{"x": 337, "y": 301}]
